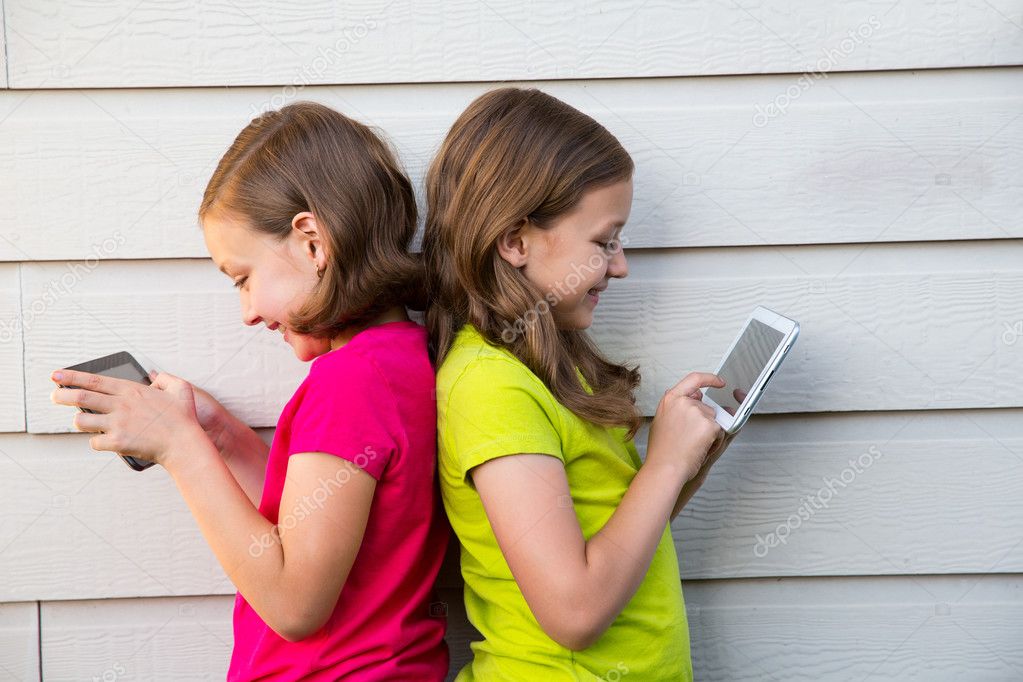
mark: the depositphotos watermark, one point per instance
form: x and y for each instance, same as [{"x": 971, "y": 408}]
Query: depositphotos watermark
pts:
[
  {"x": 1013, "y": 333},
  {"x": 561, "y": 290},
  {"x": 111, "y": 674},
  {"x": 313, "y": 72},
  {"x": 61, "y": 286},
  {"x": 616, "y": 673},
  {"x": 815, "y": 502},
  {"x": 310, "y": 503},
  {"x": 780, "y": 104}
]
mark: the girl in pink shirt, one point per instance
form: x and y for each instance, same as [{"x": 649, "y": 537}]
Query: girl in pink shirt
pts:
[{"x": 334, "y": 536}]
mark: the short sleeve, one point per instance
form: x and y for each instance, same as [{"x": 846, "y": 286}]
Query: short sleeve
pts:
[
  {"x": 497, "y": 407},
  {"x": 348, "y": 410}
]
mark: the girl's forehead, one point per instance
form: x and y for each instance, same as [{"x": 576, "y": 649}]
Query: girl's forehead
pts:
[
  {"x": 613, "y": 202},
  {"x": 225, "y": 240}
]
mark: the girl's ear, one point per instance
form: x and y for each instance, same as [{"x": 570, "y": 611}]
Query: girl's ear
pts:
[
  {"x": 308, "y": 230},
  {"x": 511, "y": 245}
]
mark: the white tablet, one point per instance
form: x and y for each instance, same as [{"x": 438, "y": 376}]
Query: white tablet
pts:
[{"x": 748, "y": 365}]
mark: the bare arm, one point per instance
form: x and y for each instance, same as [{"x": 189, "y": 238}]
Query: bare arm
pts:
[
  {"x": 242, "y": 450},
  {"x": 292, "y": 573},
  {"x": 577, "y": 587},
  {"x": 690, "y": 488}
]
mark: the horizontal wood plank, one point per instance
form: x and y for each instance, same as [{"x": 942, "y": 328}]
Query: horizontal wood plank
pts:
[
  {"x": 883, "y": 327},
  {"x": 891, "y": 493},
  {"x": 213, "y": 43},
  {"x": 932, "y": 627},
  {"x": 177, "y": 638},
  {"x": 908, "y": 510},
  {"x": 184, "y": 638},
  {"x": 943, "y": 629},
  {"x": 923, "y": 321},
  {"x": 878, "y": 157},
  {"x": 100, "y": 528}
]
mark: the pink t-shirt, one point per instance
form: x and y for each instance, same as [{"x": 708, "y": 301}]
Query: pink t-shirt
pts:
[{"x": 371, "y": 402}]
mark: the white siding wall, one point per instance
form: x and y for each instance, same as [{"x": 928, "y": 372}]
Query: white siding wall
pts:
[{"x": 880, "y": 203}]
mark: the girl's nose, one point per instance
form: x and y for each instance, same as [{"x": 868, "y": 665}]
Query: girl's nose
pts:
[
  {"x": 618, "y": 266},
  {"x": 249, "y": 315}
]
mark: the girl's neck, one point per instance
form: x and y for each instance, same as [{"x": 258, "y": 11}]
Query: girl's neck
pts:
[{"x": 393, "y": 314}]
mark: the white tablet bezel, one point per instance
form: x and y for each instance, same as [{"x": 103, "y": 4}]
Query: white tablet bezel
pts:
[{"x": 789, "y": 330}]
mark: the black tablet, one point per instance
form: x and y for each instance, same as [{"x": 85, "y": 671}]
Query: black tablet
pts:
[{"x": 120, "y": 366}]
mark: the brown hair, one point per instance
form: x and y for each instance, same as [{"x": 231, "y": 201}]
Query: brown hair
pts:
[
  {"x": 517, "y": 155},
  {"x": 308, "y": 157}
]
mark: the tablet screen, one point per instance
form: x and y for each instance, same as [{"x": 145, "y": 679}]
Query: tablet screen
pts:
[
  {"x": 745, "y": 363},
  {"x": 118, "y": 365},
  {"x": 124, "y": 371}
]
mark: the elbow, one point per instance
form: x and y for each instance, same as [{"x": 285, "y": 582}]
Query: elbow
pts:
[
  {"x": 294, "y": 626},
  {"x": 303, "y": 613},
  {"x": 575, "y": 636},
  {"x": 296, "y": 631},
  {"x": 578, "y": 624}
]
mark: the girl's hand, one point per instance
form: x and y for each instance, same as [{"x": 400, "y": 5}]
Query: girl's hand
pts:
[
  {"x": 239, "y": 446},
  {"x": 133, "y": 419},
  {"x": 208, "y": 409},
  {"x": 684, "y": 429}
]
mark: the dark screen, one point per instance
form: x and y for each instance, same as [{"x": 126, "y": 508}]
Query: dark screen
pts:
[{"x": 745, "y": 363}]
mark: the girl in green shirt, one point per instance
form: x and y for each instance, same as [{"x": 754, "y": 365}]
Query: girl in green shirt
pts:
[{"x": 569, "y": 564}]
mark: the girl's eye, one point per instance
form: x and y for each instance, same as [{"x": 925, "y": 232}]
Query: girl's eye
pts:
[{"x": 239, "y": 282}]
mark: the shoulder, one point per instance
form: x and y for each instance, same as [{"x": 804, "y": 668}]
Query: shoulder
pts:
[
  {"x": 355, "y": 383},
  {"x": 488, "y": 390},
  {"x": 386, "y": 353},
  {"x": 346, "y": 367},
  {"x": 473, "y": 363}
]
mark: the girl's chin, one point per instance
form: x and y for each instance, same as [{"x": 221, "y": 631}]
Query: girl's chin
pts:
[
  {"x": 302, "y": 355},
  {"x": 307, "y": 348},
  {"x": 581, "y": 318}
]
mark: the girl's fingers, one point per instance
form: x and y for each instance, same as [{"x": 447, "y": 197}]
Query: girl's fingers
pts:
[
  {"x": 103, "y": 443},
  {"x": 90, "y": 423},
  {"x": 91, "y": 382},
  {"x": 695, "y": 381},
  {"x": 165, "y": 381},
  {"x": 80, "y": 397}
]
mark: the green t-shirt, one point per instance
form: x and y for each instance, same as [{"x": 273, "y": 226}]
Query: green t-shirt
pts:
[{"x": 489, "y": 405}]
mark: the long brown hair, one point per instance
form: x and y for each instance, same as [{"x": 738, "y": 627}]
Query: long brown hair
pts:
[
  {"x": 515, "y": 155},
  {"x": 309, "y": 157}
]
